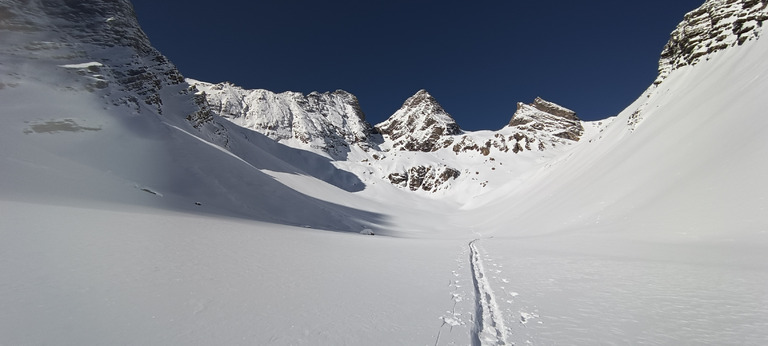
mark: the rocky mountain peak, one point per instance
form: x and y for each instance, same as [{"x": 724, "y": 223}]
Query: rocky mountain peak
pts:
[
  {"x": 544, "y": 117},
  {"x": 552, "y": 108},
  {"x": 422, "y": 99},
  {"x": 716, "y": 25},
  {"x": 419, "y": 125}
]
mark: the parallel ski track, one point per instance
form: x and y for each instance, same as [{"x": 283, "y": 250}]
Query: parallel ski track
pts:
[{"x": 489, "y": 326}]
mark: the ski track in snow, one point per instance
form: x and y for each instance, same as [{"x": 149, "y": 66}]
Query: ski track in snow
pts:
[{"x": 489, "y": 326}]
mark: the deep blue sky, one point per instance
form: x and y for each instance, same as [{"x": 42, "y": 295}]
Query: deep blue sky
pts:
[{"x": 478, "y": 58}]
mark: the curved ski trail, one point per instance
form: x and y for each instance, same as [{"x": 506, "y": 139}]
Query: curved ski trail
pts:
[{"x": 489, "y": 323}]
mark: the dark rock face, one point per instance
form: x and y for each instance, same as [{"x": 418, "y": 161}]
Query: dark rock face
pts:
[
  {"x": 112, "y": 26},
  {"x": 716, "y": 25},
  {"x": 203, "y": 115},
  {"x": 107, "y": 23},
  {"x": 421, "y": 124},
  {"x": 130, "y": 71},
  {"x": 425, "y": 178},
  {"x": 554, "y": 109}
]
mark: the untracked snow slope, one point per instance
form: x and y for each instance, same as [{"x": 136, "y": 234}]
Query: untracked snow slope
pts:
[{"x": 689, "y": 165}]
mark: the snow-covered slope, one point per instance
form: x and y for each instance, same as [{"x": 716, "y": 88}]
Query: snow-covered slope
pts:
[
  {"x": 137, "y": 211},
  {"x": 689, "y": 163}
]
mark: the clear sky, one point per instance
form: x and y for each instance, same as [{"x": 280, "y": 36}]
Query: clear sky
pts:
[{"x": 477, "y": 58}]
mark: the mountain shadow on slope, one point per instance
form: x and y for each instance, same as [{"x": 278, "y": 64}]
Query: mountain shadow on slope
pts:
[{"x": 265, "y": 153}]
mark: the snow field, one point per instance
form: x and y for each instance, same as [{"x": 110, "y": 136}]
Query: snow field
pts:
[{"x": 146, "y": 276}]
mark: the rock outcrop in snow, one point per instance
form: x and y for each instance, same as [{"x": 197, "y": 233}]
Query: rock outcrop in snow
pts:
[
  {"x": 424, "y": 177},
  {"x": 421, "y": 124},
  {"x": 716, "y": 25},
  {"x": 330, "y": 121}
]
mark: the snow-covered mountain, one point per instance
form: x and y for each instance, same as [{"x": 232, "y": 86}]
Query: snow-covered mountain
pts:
[
  {"x": 83, "y": 87},
  {"x": 330, "y": 121},
  {"x": 333, "y": 124},
  {"x": 138, "y": 207}
]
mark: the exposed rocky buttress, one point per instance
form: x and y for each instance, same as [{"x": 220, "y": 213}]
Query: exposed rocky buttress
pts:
[{"x": 714, "y": 26}]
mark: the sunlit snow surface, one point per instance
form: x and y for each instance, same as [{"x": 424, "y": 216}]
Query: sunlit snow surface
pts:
[{"x": 120, "y": 228}]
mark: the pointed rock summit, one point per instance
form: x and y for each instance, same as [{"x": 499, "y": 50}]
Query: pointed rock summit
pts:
[
  {"x": 419, "y": 125},
  {"x": 546, "y": 117}
]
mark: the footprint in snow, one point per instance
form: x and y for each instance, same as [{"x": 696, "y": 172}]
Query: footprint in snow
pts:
[{"x": 525, "y": 317}]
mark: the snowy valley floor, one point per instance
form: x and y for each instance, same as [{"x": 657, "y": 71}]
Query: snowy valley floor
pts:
[
  {"x": 142, "y": 276},
  {"x": 87, "y": 276}
]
